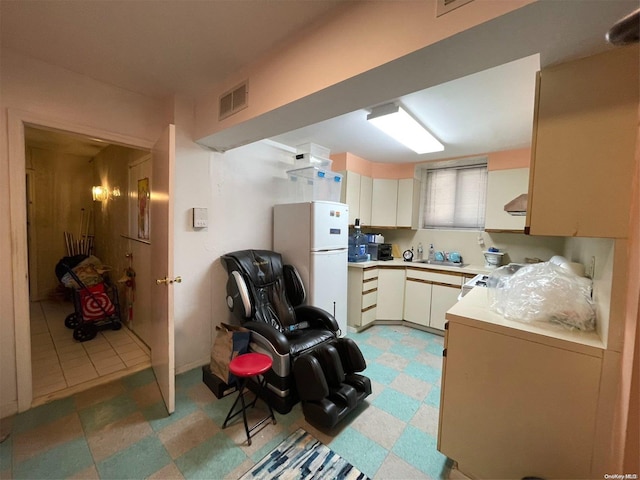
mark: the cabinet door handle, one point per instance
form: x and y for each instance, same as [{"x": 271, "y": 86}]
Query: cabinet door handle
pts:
[
  {"x": 446, "y": 325},
  {"x": 444, "y": 352}
]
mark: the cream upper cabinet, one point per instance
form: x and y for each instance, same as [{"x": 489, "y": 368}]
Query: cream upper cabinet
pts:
[
  {"x": 381, "y": 202},
  {"x": 366, "y": 192},
  {"x": 585, "y": 128},
  {"x": 357, "y": 192},
  {"x": 384, "y": 202},
  {"x": 350, "y": 194},
  {"x": 408, "y": 198},
  {"x": 502, "y": 187}
]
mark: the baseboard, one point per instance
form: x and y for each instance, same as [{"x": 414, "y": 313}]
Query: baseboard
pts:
[
  {"x": 192, "y": 365},
  {"x": 8, "y": 409},
  {"x": 455, "y": 474}
]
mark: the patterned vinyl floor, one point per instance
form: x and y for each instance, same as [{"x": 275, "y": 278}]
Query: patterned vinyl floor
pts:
[{"x": 120, "y": 430}]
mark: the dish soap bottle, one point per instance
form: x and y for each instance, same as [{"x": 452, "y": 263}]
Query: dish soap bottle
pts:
[
  {"x": 432, "y": 254},
  {"x": 420, "y": 251}
]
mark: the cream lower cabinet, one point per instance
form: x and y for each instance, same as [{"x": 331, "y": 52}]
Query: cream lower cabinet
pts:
[
  {"x": 513, "y": 405},
  {"x": 390, "y": 293},
  {"x": 417, "y": 301},
  {"x": 428, "y": 295},
  {"x": 363, "y": 296},
  {"x": 443, "y": 297}
]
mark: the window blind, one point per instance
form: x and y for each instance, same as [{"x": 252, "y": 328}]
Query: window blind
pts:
[{"x": 454, "y": 197}]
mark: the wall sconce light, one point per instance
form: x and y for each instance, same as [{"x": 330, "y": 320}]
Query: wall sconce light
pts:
[
  {"x": 399, "y": 124},
  {"x": 99, "y": 193}
]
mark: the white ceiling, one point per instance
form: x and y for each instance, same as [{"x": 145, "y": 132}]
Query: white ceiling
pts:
[
  {"x": 159, "y": 48},
  {"x": 155, "y": 47},
  {"x": 484, "y": 112}
]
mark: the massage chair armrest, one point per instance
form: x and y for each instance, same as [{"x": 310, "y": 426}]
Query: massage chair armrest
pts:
[
  {"x": 316, "y": 317},
  {"x": 273, "y": 336}
]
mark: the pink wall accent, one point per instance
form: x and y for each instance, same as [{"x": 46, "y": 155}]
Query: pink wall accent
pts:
[
  {"x": 506, "y": 159},
  {"x": 519, "y": 158},
  {"x": 353, "y": 163},
  {"x": 367, "y": 35}
]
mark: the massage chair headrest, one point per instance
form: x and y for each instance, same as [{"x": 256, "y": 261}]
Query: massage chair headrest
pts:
[{"x": 261, "y": 267}]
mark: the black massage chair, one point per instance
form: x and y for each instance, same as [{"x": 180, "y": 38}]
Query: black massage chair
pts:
[{"x": 311, "y": 363}]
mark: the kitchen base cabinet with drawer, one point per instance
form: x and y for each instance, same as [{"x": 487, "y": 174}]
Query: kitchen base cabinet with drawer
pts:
[
  {"x": 391, "y": 293},
  {"x": 516, "y": 403},
  {"x": 443, "y": 297},
  {"x": 363, "y": 296},
  {"x": 428, "y": 295},
  {"x": 417, "y": 301}
]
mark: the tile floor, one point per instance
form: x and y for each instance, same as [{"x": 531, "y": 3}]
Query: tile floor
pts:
[
  {"x": 59, "y": 363},
  {"x": 121, "y": 429}
]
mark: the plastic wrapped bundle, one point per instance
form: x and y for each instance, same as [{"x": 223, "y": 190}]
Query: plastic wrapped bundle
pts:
[{"x": 543, "y": 292}]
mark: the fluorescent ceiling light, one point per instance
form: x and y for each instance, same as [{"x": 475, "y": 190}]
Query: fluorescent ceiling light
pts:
[{"x": 398, "y": 124}]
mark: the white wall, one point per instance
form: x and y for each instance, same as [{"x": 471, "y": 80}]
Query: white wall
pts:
[
  {"x": 239, "y": 188},
  {"x": 54, "y": 95}
]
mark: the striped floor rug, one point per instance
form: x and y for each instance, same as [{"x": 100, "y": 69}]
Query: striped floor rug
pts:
[{"x": 302, "y": 457}]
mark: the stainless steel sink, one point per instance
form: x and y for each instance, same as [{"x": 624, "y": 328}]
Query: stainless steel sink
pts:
[{"x": 443, "y": 264}]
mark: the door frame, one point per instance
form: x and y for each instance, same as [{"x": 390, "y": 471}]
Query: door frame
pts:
[{"x": 17, "y": 119}]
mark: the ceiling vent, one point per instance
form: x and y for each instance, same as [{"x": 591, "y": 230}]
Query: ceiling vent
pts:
[
  {"x": 234, "y": 100},
  {"x": 445, "y": 6}
]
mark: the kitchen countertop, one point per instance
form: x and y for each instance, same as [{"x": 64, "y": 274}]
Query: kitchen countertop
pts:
[
  {"x": 474, "y": 310},
  {"x": 467, "y": 269}
]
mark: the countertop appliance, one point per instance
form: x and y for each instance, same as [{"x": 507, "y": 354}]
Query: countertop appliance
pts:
[
  {"x": 479, "y": 280},
  {"x": 380, "y": 251},
  {"x": 313, "y": 237}
]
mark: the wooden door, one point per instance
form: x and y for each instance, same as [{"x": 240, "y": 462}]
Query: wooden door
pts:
[{"x": 161, "y": 238}]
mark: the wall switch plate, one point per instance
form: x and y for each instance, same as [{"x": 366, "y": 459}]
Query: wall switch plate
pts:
[
  {"x": 590, "y": 269},
  {"x": 200, "y": 218}
]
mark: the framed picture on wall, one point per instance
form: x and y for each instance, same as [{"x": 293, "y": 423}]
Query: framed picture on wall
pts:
[{"x": 144, "y": 195}]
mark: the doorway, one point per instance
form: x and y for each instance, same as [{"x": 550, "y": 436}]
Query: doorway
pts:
[
  {"x": 162, "y": 161},
  {"x": 64, "y": 220}
]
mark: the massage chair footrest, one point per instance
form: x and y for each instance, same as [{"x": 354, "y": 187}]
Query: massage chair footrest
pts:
[{"x": 327, "y": 386}]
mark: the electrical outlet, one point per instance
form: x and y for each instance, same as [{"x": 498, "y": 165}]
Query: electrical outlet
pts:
[{"x": 480, "y": 240}]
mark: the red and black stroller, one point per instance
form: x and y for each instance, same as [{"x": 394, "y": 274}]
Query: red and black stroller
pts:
[{"x": 95, "y": 299}]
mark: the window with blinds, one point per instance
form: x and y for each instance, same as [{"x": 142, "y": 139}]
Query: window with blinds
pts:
[{"x": 454, "y": 197}]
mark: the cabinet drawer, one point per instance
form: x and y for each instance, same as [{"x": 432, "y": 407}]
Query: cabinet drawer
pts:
[
  {"x": 369, "y": 273},
  {"x": 371, "y": 284},
  {"x": 436, "y": 277},
  {"x": 369, "y": 299},
  {"x": 368, "y": 316}
]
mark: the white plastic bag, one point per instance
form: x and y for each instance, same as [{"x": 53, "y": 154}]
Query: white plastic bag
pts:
[{"x": 543, "y": 292}]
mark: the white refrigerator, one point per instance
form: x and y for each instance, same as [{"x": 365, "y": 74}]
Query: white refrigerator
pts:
[{"x": 314, "y": 238}]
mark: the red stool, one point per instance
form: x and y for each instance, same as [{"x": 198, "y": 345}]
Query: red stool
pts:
[{"x": 244, "y": 367}]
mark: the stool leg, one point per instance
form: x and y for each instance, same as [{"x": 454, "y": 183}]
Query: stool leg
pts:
[
  {"x": 244, "y": 418},
  {"x": 243, "y": 410},
  {"x": 263, "y": 383},
  {"x": 229, "y": 415}
]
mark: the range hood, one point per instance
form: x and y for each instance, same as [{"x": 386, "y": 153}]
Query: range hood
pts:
[{"x": 518, "y": 206}]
